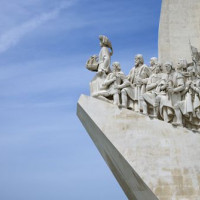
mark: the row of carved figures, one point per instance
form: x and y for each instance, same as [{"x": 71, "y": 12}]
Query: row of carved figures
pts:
[{"x": 164, "y": 91}]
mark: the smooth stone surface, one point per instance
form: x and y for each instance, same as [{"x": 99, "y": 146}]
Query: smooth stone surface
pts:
[
  {"x": 144, "y": 153},
  {"x": 179, "y": 23}
]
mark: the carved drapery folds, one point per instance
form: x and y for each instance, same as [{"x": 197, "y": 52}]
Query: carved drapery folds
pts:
[{"x": 162, "y": 90}]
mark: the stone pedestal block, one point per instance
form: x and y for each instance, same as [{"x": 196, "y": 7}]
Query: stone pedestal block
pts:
[{"x": 149, "y": 158}]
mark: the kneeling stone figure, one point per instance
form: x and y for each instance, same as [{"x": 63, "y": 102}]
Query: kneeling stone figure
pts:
[{"x": 113, "y": 83}]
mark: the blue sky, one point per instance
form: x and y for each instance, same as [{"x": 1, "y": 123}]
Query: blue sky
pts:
[{"x": 45, "y": 153}]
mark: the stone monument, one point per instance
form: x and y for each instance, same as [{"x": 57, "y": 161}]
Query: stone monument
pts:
[{"x": 146, "y": 125}]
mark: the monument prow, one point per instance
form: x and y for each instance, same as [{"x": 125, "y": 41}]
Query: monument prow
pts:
[
  {"x": 149, "y": 158},
  {"x": 146, "y": 125}
]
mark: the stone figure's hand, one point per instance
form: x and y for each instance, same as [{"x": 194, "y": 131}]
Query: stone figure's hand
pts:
[
  {"x": 188, "y": 83},
  {"x": 170, "y": 90},
  {"x": 114, "y": 79},
  {"x": 139, "y": 81},
  {"x": 158, "y": 82},
  {"x": 190, "y": 74},
  {"x": 192, "y": 86},
  {"x": 186, "y": 73},
  {"x": 144, "y": 81},
  {"x": 139, "y": 84},
  {"x": 133, "y": 85}
]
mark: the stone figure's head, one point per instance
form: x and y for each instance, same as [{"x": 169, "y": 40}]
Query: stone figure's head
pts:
[
  {"x": 139, "y": 59},
  {"x": 158, "y": 68},
  {"x": 182, "y": 64},
  {"x": 116, "y": 66},
  {"x": 168, "y": 66},
  {"x": 153, "y": 61},
  {"x": 105, "y": 42}
]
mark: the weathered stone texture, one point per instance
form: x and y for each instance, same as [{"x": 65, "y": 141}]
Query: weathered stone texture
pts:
[
  {"x": 179, "y": 23},
  {"x": 144, "y": 155}
]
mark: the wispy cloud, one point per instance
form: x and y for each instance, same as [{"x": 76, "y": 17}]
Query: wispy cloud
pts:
[{"x": 13, "y": 36}]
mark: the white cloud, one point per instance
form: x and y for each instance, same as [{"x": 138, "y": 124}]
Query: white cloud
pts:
[{"x": 13, "y": 36}]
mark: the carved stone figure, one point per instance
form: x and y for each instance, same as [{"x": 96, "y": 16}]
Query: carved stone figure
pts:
[
  {"x": 163, "y": 102},
  {"x": 104, "y": 54},
  {"x": 100, "y": 64},
  {"x": 152, "y": 89},
  {"x": 153, "y": 63},
  {"x": 172, "y": 86},
  {"x": 179, "y": 87},
  {"x": 190, "y": 104},
  {"x": 111, "y": 86},
  {"x": 138, "y": 78},
  {"x": 169, "y": 94},
  {"x": 195, "y": 86}
]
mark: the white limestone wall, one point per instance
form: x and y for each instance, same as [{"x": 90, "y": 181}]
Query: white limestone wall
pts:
[
  {"x": 167, "y": 159},
  {"x": 179, "y": 23}
]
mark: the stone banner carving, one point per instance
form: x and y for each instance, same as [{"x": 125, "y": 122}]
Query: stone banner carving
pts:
[{"x": 162, "y": 90}]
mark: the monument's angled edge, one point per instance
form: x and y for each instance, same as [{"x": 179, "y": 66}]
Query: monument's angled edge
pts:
[
  {"x": 149, "y": 158},
  {"x": 131, "y": 183},
  {"x": 146, "y": 124}
]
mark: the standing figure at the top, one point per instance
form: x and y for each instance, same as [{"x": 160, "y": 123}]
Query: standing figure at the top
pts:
[
  {"x": 104, "y": 55},
  {"x": 100, "y": 64}
]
